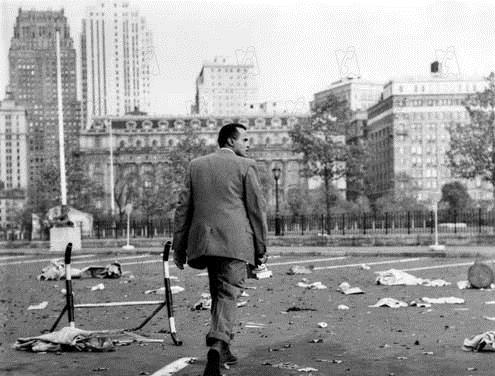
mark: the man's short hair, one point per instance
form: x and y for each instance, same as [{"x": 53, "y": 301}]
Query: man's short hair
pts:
[{"x": 228, "y": 131}]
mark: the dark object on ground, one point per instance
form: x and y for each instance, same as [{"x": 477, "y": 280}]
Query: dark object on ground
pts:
[
  {"x": 480, "y": 275},
  {"x": 297, "y": 309}
]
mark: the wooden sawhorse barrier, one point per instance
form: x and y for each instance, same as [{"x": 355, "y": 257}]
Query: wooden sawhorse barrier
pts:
[{"x": 70, "y": 306}]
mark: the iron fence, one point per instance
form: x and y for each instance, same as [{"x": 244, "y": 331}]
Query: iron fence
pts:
[{"x": 476, "y": 221}]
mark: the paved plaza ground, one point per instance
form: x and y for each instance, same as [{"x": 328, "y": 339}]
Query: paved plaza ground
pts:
[{"x": 358, "y": 341}]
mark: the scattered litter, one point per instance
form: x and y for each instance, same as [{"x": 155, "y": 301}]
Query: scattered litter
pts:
[
  {"x": 244, "y": 294},
  {"x": 463, "y": 285},
  {"x": 342, "y": 307},
  {"x": 66, "y": 338},
  {"x": 99, "y": 369},
  {"x": 298, "y": 269},
  {"x": 445, "y": 300},
  {"x": 260, "y": 272},
  {"x": 335, "y": 361},
  {"x": 427, "y": 352},
  {"x": 204, "y": 303},
  {"x": 471, "y": 369},
  {"x": 402, "y": 358},
  {"x": 489, "y": 318},
  {"x": 161, "y": 290},
  {"x": 297, "y": 309},
  {"x": 312, "y": 286},
  {"x": 346, "y": 289},
  {"x": 42, "y": 305},
  {"x": 56, "y": 270},
  {"x": 322, "y": 324},
  {"x": 250, "y": 324},
  {"x": 480, "y": 341},
  {"x": 249, "y": 287},
  {"x": 282, "y": 365},
  {"x": 307, "y": 369},
  {"x": 490, "y": 302},
  {"x": 241, "y": 304},
  {"x": 365, "y": 267},
  {"x": 99, "y": 286},
  {"x": 394, "y": 277},
  {"x": 461, "y": 309},
  {"x": 389, "y": 302},
  {"x": 418, "y": 303},
  {"x": 316, "y": 340}
]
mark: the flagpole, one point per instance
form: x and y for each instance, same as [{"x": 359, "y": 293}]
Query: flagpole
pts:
[{"x": 61, "y": 142}]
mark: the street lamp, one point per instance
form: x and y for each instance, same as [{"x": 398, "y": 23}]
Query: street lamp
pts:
[{"x": 276, "y": 175}]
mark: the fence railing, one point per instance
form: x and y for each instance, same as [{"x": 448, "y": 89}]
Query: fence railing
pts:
[{"x": 414, "y": 222}]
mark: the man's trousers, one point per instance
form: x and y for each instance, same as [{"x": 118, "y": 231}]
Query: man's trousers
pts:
[{"x": 226, "y": 278}]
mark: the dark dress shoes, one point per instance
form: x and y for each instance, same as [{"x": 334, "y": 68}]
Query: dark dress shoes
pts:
[
  {"x": 213, "y": 360},
  {"x": 227, "y": 357}
]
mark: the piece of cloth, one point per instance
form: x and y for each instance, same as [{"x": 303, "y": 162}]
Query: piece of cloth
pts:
[
  {"x": 56, "y": 270},
  {"x": 226, "y": 277},
  {"x": 394, "y": 277},
  {"x": 221, "y": 211},
  {"x": 479, "y": 342},
  {"x": 389, "y": 302}
]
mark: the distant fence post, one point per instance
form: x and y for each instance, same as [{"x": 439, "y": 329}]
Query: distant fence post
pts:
[
  {"x": 302, "y": 224},
  {"x": 386, "y": 223},
  {"x": 479, "y": 220},
  {"x": 408, "y": 222},
  {"x": 431, "y": 221},
  {"x": 455, "y": 221},
  {"x": 364, "y": 223},
  {"x": 343, "y": 224}
]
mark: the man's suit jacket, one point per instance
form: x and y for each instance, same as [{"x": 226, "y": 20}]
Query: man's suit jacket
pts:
[{"x": 221, "y": 211}]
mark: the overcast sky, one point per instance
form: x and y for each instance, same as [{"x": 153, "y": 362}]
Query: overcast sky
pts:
[{"x": 298, "y": 46}]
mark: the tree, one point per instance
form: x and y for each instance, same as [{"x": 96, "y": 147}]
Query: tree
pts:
[
  {"x": 455, "y": 196},
  {"x": 321, "y": 141},
  {"x": 472, "y": 146},
  {"x": 404, "y": 197}
]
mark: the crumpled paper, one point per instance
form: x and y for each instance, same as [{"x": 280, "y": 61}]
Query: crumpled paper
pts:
[
  {"x": 394, "y": 277},
  {"x": 161, "y": 290},
  {"x": 66, "y": 338},
  {"x": 311, "y": 286},
  {"x": 389, "y": 302},
  {"x": 480, "y": 342},
  {"x": 346, "y": 289},
  {"x": 204, "y": 303},
  {"x": 298, "y": 269},
  {"x": 443, "y": 300}
]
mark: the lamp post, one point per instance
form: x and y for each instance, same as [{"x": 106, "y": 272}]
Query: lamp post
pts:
[{"x": 276, "y": 175}]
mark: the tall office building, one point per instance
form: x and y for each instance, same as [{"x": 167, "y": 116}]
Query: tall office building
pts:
[
  {"x": 116, "y": 53},
  {"x": 13, "y": 159},
  {"x": 33, "y": 81},
  {"x": 408, "y": 134},
  {"x": 224, "y": 87}
]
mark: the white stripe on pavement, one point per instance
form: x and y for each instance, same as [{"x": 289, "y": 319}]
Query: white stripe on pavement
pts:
[
  {"x": 367, "y": 263},
  {"x": 438, "y": 266},
  {"x": 174, "y": 367},
  {"x": 306, "y": 261},
  {"x": 111, "y": 259},
  {"x": 12, "y": 257},
  {"x": 40, "y": 260}
]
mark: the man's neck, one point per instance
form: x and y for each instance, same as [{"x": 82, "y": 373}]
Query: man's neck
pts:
[{"x": 227, "y": 148}]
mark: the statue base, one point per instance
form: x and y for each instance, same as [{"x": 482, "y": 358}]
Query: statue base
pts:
[{"x": 60, "y": 236}]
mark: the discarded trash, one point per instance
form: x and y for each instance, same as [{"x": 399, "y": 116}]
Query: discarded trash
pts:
[
  {"x": 312, "y": 286},
  {"x": 402, "y": 358},
  {"x": 480, "y": 341},
  {"x": 260, "y": 272},
  {"x": 282, "y": 365},
  {"x": 394, "y": 277},
  {"x": 250, "y": 324},
  {"x": 365, "y": 267},
  {"x": 480, "y": 275},
  {"x": 42, "y": 305},
  {"x": 346, "y": 289},
  {"x": 471, "y": 369},
  {"x": 462, "y": 285},
  {"x": 446, "y": 300},
  {"x": 297, "y": 309},
  {"x": 418, "y": 303},
  {"x": 342, "y": 307},
  {"x": 297, "y": 269},
  {"x": 427, "y": 352},
  {"x": 241, "y": 304},
  {"x": 316, "y": 340},
  {"x": 389, "y": 302},
  {"x": 66, "y": 338},
  {"x": 244, "y": 294},
  {"x": 56, "y": 270},
  {"x": 322, "y": 324},
  {"x": 204, "y": 303},
  {"x": 307, "y": 369},
  {"x": 161, "y": 290},
  {"x": 99, "y": 286},
  {"x": 489, "y": 318},
  {"x": 336, "y": 361}
]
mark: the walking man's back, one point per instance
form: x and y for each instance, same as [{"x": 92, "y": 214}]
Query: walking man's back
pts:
[{"x": 220, "y": 224}]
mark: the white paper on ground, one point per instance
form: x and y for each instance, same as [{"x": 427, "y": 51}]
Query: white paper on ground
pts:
[
  {"x": 389, "y": 302},
  {"x": 394, "y": 277},
  {"x": 346, "y": 289},
  {"x": 444, "y": 300},
  {"x": 42, "y": 305}
]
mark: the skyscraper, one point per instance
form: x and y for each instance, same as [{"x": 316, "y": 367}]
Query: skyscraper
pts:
[
  {"x": 225, "y": 88},
  {"x": 116, "y": 49},
  {"x": 33, "y": 82}
]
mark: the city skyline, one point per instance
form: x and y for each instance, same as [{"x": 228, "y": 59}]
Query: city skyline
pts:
[{"x": 299, "y": 49}]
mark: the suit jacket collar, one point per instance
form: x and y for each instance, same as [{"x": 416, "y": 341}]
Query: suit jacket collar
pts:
[{"x": 226, "y": 151}]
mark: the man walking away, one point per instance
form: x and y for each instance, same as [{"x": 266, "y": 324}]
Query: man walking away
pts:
[{"x": 220, "y": 224}]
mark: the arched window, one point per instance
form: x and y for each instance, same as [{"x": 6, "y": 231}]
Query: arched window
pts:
[
  {"x": 122, "y": 144},
  {"x": 291, "y": 121},
  {"x": 138, "y": 143},
  {"x": 130, "y": 125},
  {"x": 163, "y": 125},
  {"x": 179, "y": 124},
  {"x": 259, "y": 122},
  {"x": 227, "y": 121},
  {"x": 154, "y": 143},
  {"x": 195, "y": 123},
  {"x": 147, "y": 124},
  {"x": 244, "y": 121},
  {"x": 171, "y": 142},
  {"x": 276, "y": 122},
  {"x": 267, "y": 141}
]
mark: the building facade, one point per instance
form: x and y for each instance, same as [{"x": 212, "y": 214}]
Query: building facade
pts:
[
  {"x": 409, "y": 137},
  {"x": 141, "y": 144},
  {"x": 33, "y": 82},
  {"x": 116, "y": 54},
  {"x": 13, "y": 160},
  {"x": 225, "y": 88}
]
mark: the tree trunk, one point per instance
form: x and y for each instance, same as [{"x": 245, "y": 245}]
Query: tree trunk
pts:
[{"x": 327, "y": 199}]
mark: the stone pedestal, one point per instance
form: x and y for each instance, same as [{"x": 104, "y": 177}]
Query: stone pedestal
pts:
[{"x": 60, "y": 236}]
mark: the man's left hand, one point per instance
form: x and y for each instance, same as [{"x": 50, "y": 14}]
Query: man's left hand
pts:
[{"x": 179, "y": 264}]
